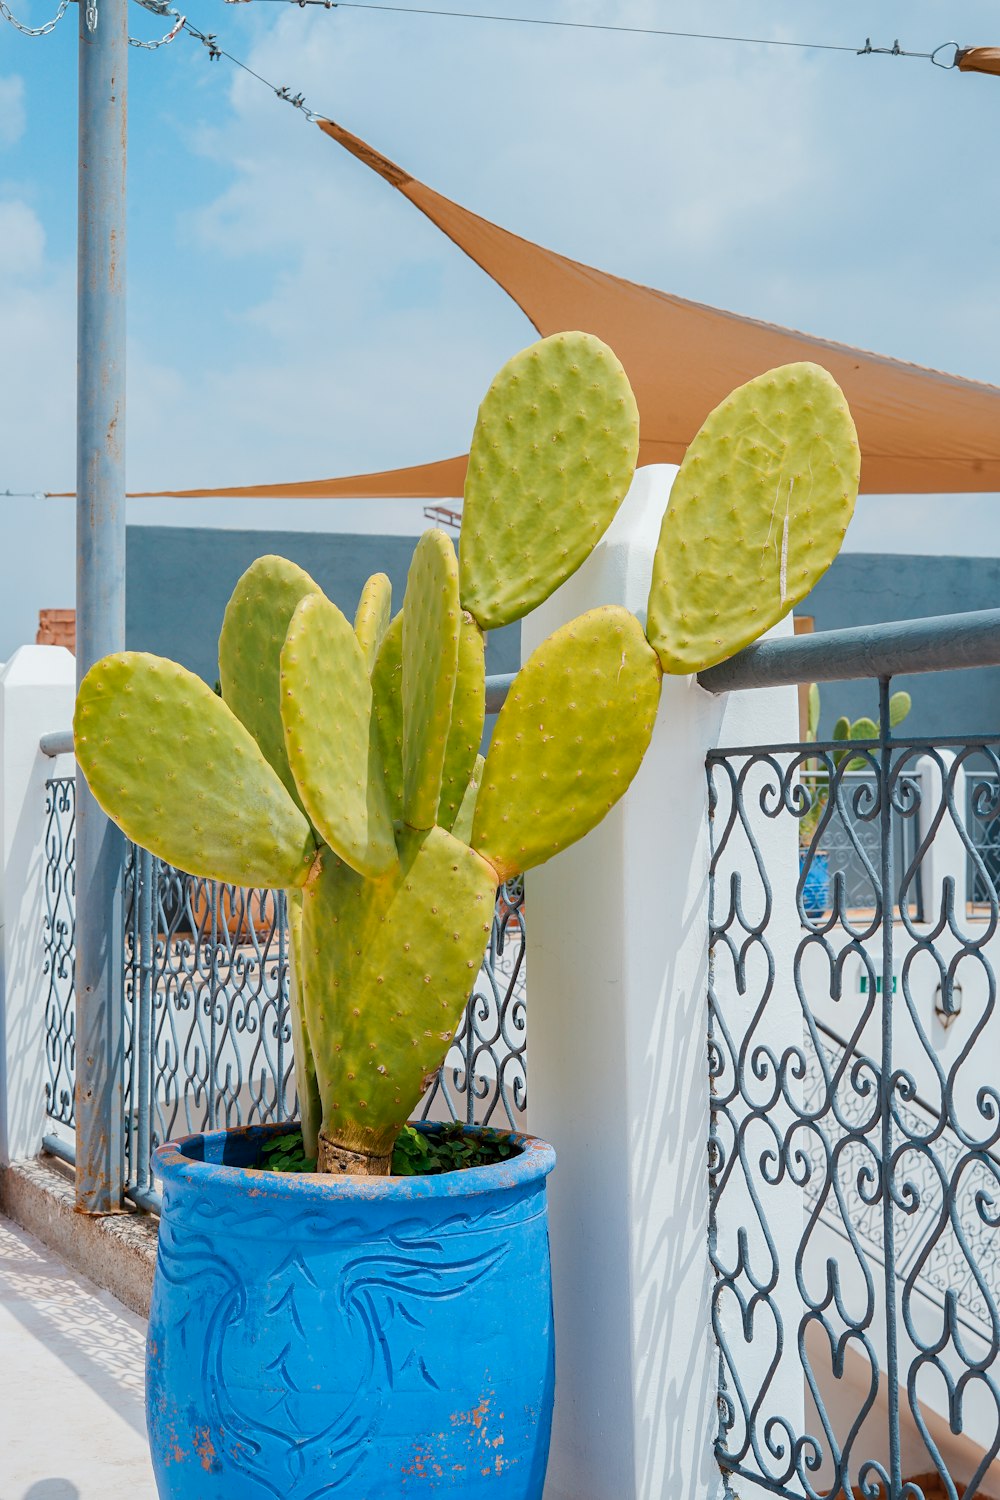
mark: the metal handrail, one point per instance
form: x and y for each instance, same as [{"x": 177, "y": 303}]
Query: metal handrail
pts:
[
  {"x": 58, "y": 742},
  {"x": 938, "y": 643}
]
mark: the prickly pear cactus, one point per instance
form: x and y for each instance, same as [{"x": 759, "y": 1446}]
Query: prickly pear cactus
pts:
[
  {"x": 866, "y": 728},
  {"x": 343, "y": 762},
  {"x": 552, "y": 458},
  {"x": 757, "y": 514}
]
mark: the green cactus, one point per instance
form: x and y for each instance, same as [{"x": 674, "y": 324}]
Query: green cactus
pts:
[
  {"x": 431, "y": 613},
  {"x": 571, "y": 735},
  {"x": 326, "y": 710},
  {"x": 468, "y": 714},
  {"x": 551, "y": 460},
  {"x": 373, "y": 616},
  {"x": 864, "y": 728},
  {"x": 253, "y": 632},
  {"x": 843, "y": 731},
  {"x": 757, "y": 514},
  {"x": 387, "y": 711},
  {"x": 343, "y": 763},
  {"x": 812, "y": 725},
  {"x": 868, "y": 729},
  {"x": 172, "y": 764}
]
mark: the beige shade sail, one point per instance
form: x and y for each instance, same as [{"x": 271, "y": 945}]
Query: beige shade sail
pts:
[
  {"x": 443, "y": 480},
  {"x": 979, "y": 60},
  {"x": 921, "y": 431}
]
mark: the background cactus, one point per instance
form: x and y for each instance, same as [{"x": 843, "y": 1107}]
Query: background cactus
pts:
[
  {"x": 343, "y": 762},
  {"x": 818, "y": 783},
  {"x": 868, "y": 729}
]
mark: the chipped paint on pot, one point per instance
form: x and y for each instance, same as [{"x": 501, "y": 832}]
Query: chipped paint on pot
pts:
[{"x": 333, "y": 1336}]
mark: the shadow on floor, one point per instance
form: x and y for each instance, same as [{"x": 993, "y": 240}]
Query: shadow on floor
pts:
[{"x": 52, "y": 1489}]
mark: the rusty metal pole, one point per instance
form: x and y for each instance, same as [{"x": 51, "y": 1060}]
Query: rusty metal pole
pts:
[{"x": 100, "y": 585}]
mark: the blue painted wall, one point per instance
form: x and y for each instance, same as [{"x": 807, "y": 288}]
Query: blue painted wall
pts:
[
  {"x": 180, "y": 578},
  {"x": 869, "y": 588}
]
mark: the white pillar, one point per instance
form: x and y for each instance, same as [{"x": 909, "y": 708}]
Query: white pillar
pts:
[
  {"x": 37, "y": 688},
  {"x": 617, "y": 930}
]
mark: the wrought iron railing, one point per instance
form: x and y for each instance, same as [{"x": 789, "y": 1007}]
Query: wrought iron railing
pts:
[
  {"x": 207, "y": 1035},
  {"x": 854, "y": 1169},
  {"x": 983, "y": 823},
  {"x": 59, "y": 947},
  {"x": 839, "y": 837}
]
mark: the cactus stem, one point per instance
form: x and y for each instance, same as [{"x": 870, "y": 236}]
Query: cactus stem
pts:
[{"x": 337, "y": 1160}]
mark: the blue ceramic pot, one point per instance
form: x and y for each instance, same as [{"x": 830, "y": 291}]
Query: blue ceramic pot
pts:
[
  {"x": 816, "y": 886},
  {"x": 335, "y": 1336}
]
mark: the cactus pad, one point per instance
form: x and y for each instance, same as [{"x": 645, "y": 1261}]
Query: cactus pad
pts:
[
  {"x": 372, "y": 619},
  {"x": 179, "y": 773},
  {"x": 812, "y": 711},
  {"x": 468, "y": 714},
  {"x": 462, "y": 828},
  {"x": 326, "y": 708},
  {"x": 253, "y": 632},
  {"x": 389, "y": 965},
  {"x": 310, "y": 1106},
  {"x": 432, "y": 622},
  {"x": 552, "y": 457},
  {"x": 757, "y": 514},
  {"x": 899, "y": 707},
  {"x": 568, "y": 741},
  {"x": 387, "y": 711}
]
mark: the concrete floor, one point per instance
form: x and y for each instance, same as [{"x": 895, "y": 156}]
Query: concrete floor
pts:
[{"x": 71, "y": 1383}]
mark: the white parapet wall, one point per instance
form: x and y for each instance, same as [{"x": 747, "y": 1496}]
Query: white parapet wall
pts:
[
  {"x": 37, "y": 687},
  {"x": 618, "y": 1074}
]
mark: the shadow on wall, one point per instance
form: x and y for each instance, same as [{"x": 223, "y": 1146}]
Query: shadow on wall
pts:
[
  {"x": 52, "y": 1489},
  {"x": 180, "y": 579}
]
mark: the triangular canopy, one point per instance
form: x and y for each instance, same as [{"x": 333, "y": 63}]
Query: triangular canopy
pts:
[
  {"x": 920, "y": 431},
  {"x": 978, "y": 60}
]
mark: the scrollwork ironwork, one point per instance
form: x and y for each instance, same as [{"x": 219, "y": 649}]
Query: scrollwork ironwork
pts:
[
  {"x": 207, "y": 1033},
  {"x": 854, "y": 1170}
]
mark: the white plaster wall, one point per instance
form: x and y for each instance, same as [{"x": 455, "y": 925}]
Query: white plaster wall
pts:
[
  {"x": 617, "y": 952},
  {"x": 37, "y": 688}
]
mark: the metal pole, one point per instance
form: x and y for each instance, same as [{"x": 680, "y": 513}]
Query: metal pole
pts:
[{"x": 100, "y": 583}]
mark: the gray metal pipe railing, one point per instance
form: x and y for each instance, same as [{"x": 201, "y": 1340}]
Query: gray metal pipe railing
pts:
[
  {"x": 497, "y": 688},
  {"x": 59, "y": 742},
  {"x": 939, "y": 643}
]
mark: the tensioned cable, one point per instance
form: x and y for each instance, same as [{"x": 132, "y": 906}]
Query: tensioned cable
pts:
[
  {"x": 215, "y": 50},
  {"x": 475, "y": 15},
  {"x": 609, "y": 26}
]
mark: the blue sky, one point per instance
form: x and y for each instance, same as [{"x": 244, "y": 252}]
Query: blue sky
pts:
[{"x": 290, "y": 316}]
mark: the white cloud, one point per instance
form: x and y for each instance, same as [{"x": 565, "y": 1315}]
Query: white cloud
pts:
[
  {"x": 12, "y": 112},
  {"x": 22, "y": 240}
]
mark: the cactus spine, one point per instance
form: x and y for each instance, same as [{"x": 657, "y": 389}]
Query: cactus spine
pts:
[{"x": 342, "y": 763}]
